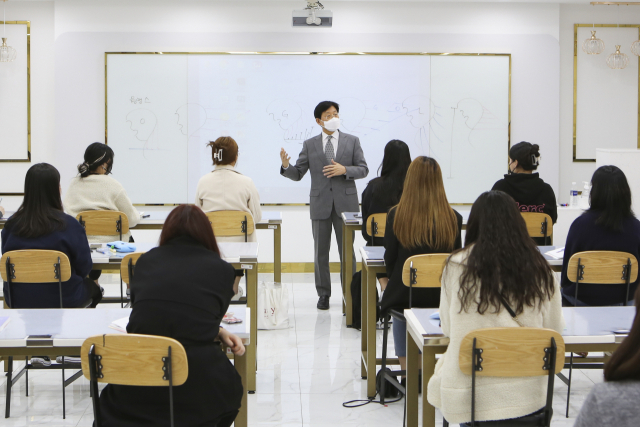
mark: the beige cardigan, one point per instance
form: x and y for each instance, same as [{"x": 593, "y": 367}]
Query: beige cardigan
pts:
[
  {"x": 100, "y": 192},
  {"x": 497, "y": 398},
  {"x": 226, "y": 189}
]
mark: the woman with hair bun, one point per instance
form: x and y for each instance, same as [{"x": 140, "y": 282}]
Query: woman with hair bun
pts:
[
  {"x": 226, "y": 189},
  {"x": 525, "y": 186},
  {"x": 94, "y": 189}
]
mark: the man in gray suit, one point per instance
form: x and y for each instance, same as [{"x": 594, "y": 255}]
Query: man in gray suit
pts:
[{"x": 335, "y": 159}]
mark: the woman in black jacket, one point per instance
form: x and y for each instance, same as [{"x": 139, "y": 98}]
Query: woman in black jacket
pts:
[
  {"x": 422, "y": 223},
  {"x": 182, "y": 290},
  {"x": 529, "y": 191}
]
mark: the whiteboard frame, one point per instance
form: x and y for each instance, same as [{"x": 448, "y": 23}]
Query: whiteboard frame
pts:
[
  {"x": 28, "y": 159},
  {"x": 575, "y": 81},
  {"x": 106, "y": 56}
]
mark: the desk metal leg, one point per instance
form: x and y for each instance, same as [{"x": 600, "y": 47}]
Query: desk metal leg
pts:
[
  {"x": 413, "y": 357},
  {"x": 277, "y": 253},
  {"x": 369, "y": 288},
  {"x": 348, "y": 268},
  {"x": 252, "y": 303},
  {"x": 240, "y": 362},
  {"x": 343, "y": 269},
  {"x": 363, "y": 323},
  {"x": 428, "y": 367}
]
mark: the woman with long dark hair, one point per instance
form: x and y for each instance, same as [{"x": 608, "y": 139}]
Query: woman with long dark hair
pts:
[
  {"x": 615, "y": 402},
  {"x": 500, "y": 265},
  {"x": 40, "y": 223},
  {"x": 182, "y": 290},
  {"x": 422, "y": 223},
  {"x": 608, "y": 225}
]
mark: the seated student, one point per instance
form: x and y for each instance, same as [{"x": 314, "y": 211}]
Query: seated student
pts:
[
  {"x": 94, "y": 189},
  {"x": 529, "y": 191},
  {"x": 383, "y": 193},
  {"x": 615, "y": 402},
  {"x": 181, "y": 290},
  {"x": 499, "y": 265},
  {"x": 608, "y": 225},
  {"x": 422, "y": 223},
  {"x": 40, "y": 223},
  {"x": 226, "y": 189}
]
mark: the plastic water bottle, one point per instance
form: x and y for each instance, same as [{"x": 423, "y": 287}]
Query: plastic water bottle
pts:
[
  {"x": 573, "y": 195},
  {"x": 584, "y": 197}
]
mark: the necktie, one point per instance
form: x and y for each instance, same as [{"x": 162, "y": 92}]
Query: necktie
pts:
[{"x": 328, "y": 149}]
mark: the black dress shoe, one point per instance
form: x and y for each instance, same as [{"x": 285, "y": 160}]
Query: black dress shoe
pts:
[{"x": 323, "y": 302}]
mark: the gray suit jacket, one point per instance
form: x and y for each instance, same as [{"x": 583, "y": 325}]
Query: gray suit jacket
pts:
[{"x": 339, "y": 191}]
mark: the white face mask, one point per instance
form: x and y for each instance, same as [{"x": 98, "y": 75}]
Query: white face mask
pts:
[{"x": 332, "y": 125}]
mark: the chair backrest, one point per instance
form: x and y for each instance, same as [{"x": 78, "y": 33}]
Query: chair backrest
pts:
[
  {"x": 104, "y": 223},
  {"x": 35, "y": 266},
  {"x": 135, "y": 359},
  {"x": 603, "y": 267},
  {"x": 127, "y": 266},
  {"x": 376, "y": 225},
  {"x": 538, "y": 224},
  {"x": 231, "y": 223},
  {"x": 511, "y": 352},
  {"x": 424, "y": 270}
]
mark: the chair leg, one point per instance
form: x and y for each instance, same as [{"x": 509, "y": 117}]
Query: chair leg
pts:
[
  {"x": 385, "y": 331},
  {"x": 64, "y": 400},
  {"x": 26, "y": 374},
  {"x": 569, "y": 384},
  {"x": 7, "y": 409}
]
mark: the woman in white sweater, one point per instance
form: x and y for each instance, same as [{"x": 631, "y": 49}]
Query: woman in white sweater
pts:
[
  {"x": 499, "y": 265},
  {"x": 94, "y": 189},
  {"x": 226, "y": 189}
]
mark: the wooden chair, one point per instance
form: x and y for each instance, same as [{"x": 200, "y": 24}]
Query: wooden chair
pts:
[
  {"x": 604, "y": 268},
  {"x": 36, "y": 266},
  {"x": 134, "y": 360},
  {"x": 512, "y": 352},
  {"x": 376, "y": 225},
  {"x": 127, "y": 268},
  {"x": 104, "y": 223},
  {"x": 231, "y": 223},
  {"x": 539, "y": 225},
  {"x": 419, "y": 271}
]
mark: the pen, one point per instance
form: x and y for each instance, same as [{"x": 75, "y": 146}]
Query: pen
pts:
[{"x": 146, "y": 216}]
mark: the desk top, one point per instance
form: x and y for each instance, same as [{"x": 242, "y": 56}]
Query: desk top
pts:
[
  {"x": 159, "y": 216},
  {"x": 349, "y": 218},
  {"x": 374, "y": 255},
  {"x": 232, "y": 252},
  {"x": 69, "y": 327},
  {"x": 584, "y": 325}
]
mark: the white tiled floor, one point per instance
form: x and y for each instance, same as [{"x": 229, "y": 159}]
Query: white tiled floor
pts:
[{"x": 305, "y": 374}]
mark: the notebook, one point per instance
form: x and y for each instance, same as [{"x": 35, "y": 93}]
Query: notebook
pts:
[
  {"x": 556, "y": 253},
  {"x": 120, "y": 325}
]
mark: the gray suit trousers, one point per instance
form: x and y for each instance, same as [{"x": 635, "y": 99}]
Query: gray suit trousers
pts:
[{"x": 321, "y": 246}]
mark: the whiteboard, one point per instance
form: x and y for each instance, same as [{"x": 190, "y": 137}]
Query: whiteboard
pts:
[
  {"x": 14, "y": 97},
  {"x": 454, "y": 108}
]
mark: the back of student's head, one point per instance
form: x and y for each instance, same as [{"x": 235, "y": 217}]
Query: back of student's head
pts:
[
  {"x": 503, "y": 262},
  {"x": 189, "y": 221},
  {"x": 95, "y": 156},
  {"x": 224, "y": 150},
  {"x": 527, "y": 155},
  {"x": 610, "y": 196},
  {"x": 393, "y": 169},
  {"x": 41, "y": 207},
  {"x": 423, "y": 216},
  {"x": 625, "y": 362}
]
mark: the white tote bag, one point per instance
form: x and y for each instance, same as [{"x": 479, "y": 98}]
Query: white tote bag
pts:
[{"x": 273, "y": 306}]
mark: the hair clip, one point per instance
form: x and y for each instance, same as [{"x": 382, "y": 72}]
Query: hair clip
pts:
[
  {"x": 218, "y": 155},
  {"x": 534, "y": 160}
]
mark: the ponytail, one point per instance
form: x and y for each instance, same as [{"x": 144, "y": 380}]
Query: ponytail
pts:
[{"x": 96, "y": 155}]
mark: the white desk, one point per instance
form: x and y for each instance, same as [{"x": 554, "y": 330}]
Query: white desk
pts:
[
  {"x": 588, "y": 329},
  {"x": 242, "y": 256},
  {"x": 71, "y": 327}
]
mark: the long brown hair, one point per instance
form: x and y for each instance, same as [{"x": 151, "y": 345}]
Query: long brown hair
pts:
[
  {"x": 189, "y": 220},
  {"x": 625, "y": 362},
  {"x": 424, "y": 207},
  {"x": 504, "y": 262}
]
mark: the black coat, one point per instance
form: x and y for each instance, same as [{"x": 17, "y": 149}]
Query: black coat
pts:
[
  {"x": 376, "y": 201},
  {"x": 180, "y": 290},
  {"x": 396, "y": 295}
]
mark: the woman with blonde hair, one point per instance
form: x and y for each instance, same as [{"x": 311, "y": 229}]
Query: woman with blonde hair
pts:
[
  {"x": 421, "y": 223},
  {"x": 226, "y": 189}
]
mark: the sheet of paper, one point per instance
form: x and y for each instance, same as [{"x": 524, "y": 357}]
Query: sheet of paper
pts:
[
  {"x": 556, "y": 253},
  {"x": 4, "y": 321},
  {"x": 120, "y": 324}
]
